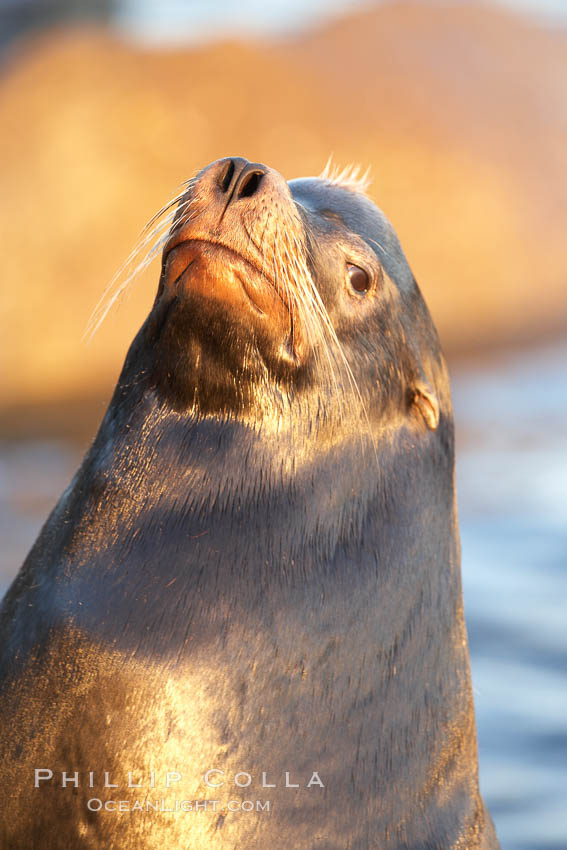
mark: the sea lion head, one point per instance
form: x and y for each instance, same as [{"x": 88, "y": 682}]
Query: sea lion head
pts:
[{"x": 275, "y": 293}]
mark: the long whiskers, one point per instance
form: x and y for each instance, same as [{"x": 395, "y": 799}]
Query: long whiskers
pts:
[{"x": 149, "y": 245}]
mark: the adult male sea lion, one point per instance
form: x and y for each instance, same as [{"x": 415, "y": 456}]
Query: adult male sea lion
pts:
[{"x": 242, "y": 625}]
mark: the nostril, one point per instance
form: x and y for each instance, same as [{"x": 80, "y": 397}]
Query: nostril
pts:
[
  {"x": 225, "y": 177},
  {"x": 250, "y": 184}
]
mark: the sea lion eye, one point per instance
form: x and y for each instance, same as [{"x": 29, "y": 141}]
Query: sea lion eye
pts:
[{"x": 358, "y": 279}]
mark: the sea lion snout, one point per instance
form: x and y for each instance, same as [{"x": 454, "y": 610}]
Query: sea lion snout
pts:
[
  {"x": 235, "y": 203},
  {"x": 238, "y": 179},
  {"x": 237, "y": 245},
  {"x": 237, "y": 207}
]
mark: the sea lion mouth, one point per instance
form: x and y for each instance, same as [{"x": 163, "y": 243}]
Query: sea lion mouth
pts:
[
  {"x": 192, "y": 254},
  {"x": 217, "y": 243},
  {"x": 228, "y": 249}
]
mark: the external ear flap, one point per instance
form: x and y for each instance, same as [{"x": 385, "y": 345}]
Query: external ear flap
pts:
[{"x": 425, "y": 400}]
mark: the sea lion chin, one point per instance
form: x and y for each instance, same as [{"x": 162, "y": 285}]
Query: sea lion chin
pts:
[{"x": 256, "y": 570}]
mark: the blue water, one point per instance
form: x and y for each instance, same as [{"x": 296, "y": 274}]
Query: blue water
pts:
[{"x": 512, "y": 486}]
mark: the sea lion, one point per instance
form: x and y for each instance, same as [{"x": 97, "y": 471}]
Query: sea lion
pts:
[{"x": 242, "y": 624}]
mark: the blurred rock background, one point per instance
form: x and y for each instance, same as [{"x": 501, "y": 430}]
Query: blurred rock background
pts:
[{"x": 460, "y": 109}]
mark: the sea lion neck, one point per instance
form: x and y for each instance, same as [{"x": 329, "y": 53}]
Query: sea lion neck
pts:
[{"x": 217, "y": 475}]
